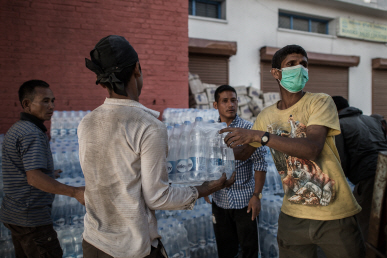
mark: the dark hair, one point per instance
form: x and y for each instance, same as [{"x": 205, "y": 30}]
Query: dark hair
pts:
[
  {"x": 123, "y": 76},
  {"x": 340, "y": 102},
  {"x": 27, "y": 89},
  {"x": 281, "y": 54},
  {"x": 222, "y": 88}
]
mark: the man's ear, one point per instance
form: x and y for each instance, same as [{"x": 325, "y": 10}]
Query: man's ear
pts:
[
  {"x": 137, "y": 72},
  {"x": 276, "y": 74},
  {"x": 215, "y": 105},
  {"x": 26, "y": 103}
]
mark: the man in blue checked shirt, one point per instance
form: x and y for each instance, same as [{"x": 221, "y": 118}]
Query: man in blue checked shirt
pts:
[{"x": 235, "y": 209}]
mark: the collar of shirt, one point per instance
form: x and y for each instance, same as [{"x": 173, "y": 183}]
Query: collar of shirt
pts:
[
  {"x": 234, "y": 122},
  {"x": 131, "y": 103},
  {"x": 33, "y": 119}
]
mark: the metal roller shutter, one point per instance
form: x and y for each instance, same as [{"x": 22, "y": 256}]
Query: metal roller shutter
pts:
[
  {"x": 211, "y": 69},
  {"x": 332, "y": 80},
  {"x": 379, "y": 92}
]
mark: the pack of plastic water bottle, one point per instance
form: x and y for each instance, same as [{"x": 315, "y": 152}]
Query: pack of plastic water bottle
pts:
[
  {"x": 197, "y": 152},
  {"x": 188, "y": 233},
  {"x": 6, "y": 247},
  {"x": 172, "y": 116},
  {"x": 270, "y": 209},
  {"x": 64, "y": 124},
  {"x": 67, "y": 215}
]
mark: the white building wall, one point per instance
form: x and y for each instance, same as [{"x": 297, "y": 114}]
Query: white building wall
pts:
[{"x": 254, "y": 24}]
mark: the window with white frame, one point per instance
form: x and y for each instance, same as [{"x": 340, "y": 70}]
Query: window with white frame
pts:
[
  {"x": 303, "y": 23},
  {"x": 207, "y": 8}
]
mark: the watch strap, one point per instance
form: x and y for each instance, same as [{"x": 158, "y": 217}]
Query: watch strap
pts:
[
  {"x": 266, "y": 135},
  {"x": 258, "y": 195}
]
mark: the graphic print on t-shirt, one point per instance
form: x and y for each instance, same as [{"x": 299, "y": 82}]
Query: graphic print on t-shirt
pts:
[{"x": 303, "y": 180}]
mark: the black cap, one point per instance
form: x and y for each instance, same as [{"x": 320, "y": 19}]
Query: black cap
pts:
[{"x": 110, "y": 55}]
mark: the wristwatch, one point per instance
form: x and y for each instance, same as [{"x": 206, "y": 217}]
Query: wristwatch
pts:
[
  {"x": 265, "y": 138},
  {"x": 258, "y": 195}
]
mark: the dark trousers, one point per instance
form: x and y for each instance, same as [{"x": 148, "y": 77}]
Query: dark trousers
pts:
[
  {"x": 35, "y": 242},
  {"x": 90, "y": 251},
  {"x": 234, "y": 228},
  {"x": 363, "y": 193},
  {"x": 299, "y": 238}
]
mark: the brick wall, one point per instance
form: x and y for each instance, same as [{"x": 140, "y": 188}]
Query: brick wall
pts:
[{"x": 49, "y": 39}]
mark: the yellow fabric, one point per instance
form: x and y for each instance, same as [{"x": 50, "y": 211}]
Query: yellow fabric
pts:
[{"x": 313, "y": 189}]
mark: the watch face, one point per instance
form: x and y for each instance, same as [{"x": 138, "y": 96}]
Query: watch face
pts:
[{"x": 265, "y": 138}]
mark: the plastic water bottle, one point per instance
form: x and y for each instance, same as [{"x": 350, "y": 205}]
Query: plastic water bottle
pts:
[
  {"x": 228, "y": 158},
  {"x": 270, "y": 248},
  {"x": 169, "y": 130},
  {"x": 172, "y": 153},
  {"x": 59, "y": 212},
  {"x": 202, "y": 230},
  {"x": 197, "y": 152},
  {"x": 184, "y": 244},
  {"x": 273, "y": 214},
  {"x": 174, "y": 248},
  {"x": 72, "y": 212},
  {"x": 182, "y": 158},
  {"x": 67, "y": 244},
  {"x": 63, "y": 126},
  {"x": 214, "y": 151},
  {"x": 202, "y": 251},
  {"x": 77, "y": 236},
  {"x": 55, "y": 131},
  {"x": 192, "y": 229},
  {"x": 57, "y": 159},
  {"x": 5, "y": 234}
]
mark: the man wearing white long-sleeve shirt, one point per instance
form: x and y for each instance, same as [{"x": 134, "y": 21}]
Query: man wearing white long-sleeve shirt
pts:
[{"x": 123, "y": 150}]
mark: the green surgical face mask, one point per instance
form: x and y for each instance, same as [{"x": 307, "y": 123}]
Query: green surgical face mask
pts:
[{"x": 294, "y": 78}]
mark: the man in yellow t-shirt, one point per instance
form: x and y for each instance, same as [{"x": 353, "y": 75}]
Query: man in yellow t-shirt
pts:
[{"x": 318, "y": 207}]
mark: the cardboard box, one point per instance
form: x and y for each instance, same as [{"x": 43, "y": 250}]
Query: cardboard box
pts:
[
  {"x": 210, "y": 94},
  {"x": 243, "y": 100},
  {"x": 200, "y": 98},
  {"x": 254, "y": 93},
  {"x": 192, "y": 76},
  {"x": 195, "y": 85},
  {"x": 207, "y": 85},
  {"x": 271, "y": 97},
  {"x": 254, "y": 107},
  {"x": 241, "y": 90},
  {"x": 245, "y": 112},
  {"x": 259, "y": 102},
  {"x": 202, "y": 106}
]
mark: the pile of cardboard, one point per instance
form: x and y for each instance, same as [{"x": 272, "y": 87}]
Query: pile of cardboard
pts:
[{"x": 250, "y": 100}]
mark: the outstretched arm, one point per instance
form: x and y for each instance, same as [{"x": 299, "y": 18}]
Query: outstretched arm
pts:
[
  {"x": 38, "y": 179},
  {"x": 305, "y": 148}
]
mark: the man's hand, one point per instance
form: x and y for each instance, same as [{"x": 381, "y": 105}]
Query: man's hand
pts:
[
  {"x": 207, "y": 199},
  {"x": 210, "y": 187},
  {"x": 240, "y": 136},
  {"x": 255, "y": 206},
  {"x": 79, "y": 194},
  {"x": 57, "y": 172}
]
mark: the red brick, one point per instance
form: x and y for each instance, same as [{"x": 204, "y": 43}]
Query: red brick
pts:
[{"x": 49, "y": 39}]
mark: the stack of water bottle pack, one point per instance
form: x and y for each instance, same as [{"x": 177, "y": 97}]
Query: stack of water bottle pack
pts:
[
  {"x": 6, "y": 246},
  {"x": 197, "y": 152},
  {"x": 270, "y": 209},
  {"x": 188, "y": 233},
  {"x": 172, "y": 116},
  {"x": 67, "y": 213}
]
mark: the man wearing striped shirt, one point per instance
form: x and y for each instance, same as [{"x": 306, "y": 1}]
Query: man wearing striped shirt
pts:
[
  {"x": 28, "y": 176},
  {"x": 235, "y": 209}
]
